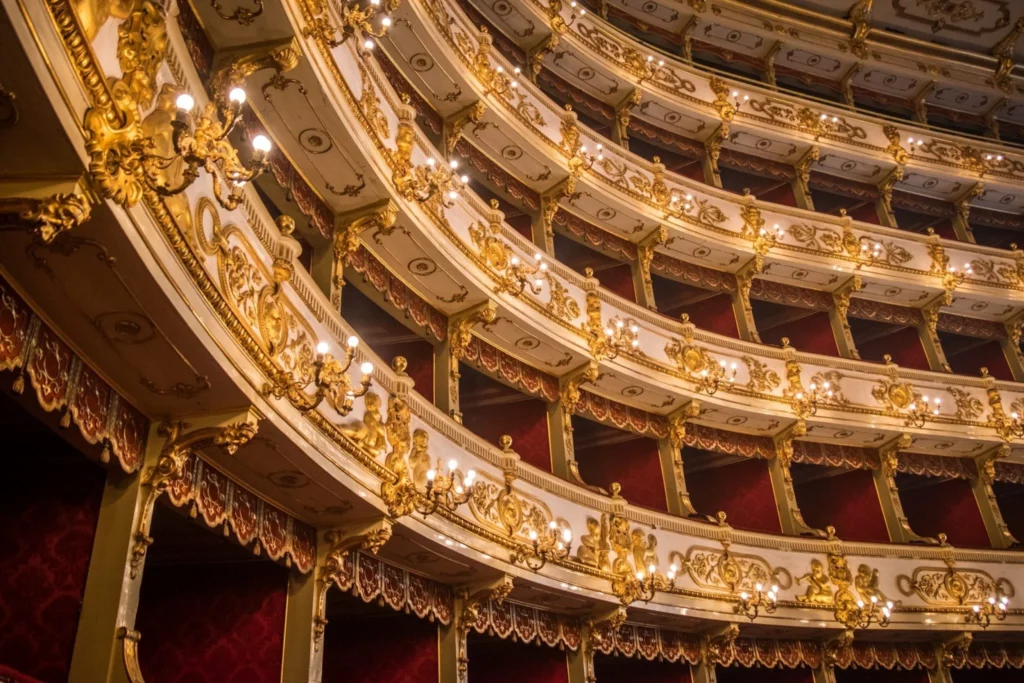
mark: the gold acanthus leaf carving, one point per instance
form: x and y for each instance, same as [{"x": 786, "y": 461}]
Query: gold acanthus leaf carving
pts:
[
  {"x": 967, "y": 407},
  {"x": 722, "y": 569},
  {"x": 762, "y": 378},
  {"x": 561, "y": 305},
  {"x": 953, "y": 587},
  {"x": 500, "y": 507}
]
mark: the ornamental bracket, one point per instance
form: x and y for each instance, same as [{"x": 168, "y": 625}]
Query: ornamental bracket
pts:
[{"x": 461, "y": 324}]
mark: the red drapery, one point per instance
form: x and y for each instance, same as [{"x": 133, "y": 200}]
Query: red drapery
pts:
[
  {"x": 420, "y": 355},
  {"x": 634, "y": 464},
  {"x": 49, "y": 507},
  {"x": 610, "y": 669},
  {"x": 987, "y": 675},
  {"x": 958, "y": 515},
  {"x": 380, "y": 647},
  {"x": 847, "y": 501},
  {"x": 715, "y": 314},
  {"x": 493, "y": 660},
  {"x": 525, "y": 421},
  {"x": 742, "y": 489},
  {"x": 1010, "y": 498},
  {"x": 212, "y": 623}
]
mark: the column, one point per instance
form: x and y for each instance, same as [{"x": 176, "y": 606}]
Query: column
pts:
[
  {"x": 106, "y": 644},
  {"x": 741, "y": 303},
  {"x": 672, "y": 461},
  {"x": 883, "y": 205},
  {"x": 1011, "y": 348},
  {"x": 703, "y": 672},
  {"x": 623, "y": 112},
  {"x": 563, "y": 456},
  {"x": 889, "y": 495},
  {"x": 801, "y": 183},
  {"x": 712, "y": 150},
  {"x": 998, "y": 533},
  {"x": 446, "y": 380},
  {"x": 542, "y": 225},
  {"x": 301, "y": 658},
  {"x": 792, "y": 520},
  {"x": 837, "y": 318},
  {"x": 328, "y": 273},
  {"x": 824, "y": 674},
  {"x": 929, "y": 334},
  {"x": 961, "y": 219},
  {"x": 348, "y": 229},
  {"x": 642, "y": 284},
  {"x": 453, "y": 656}
]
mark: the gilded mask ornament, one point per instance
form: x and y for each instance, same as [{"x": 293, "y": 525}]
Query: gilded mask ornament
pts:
[{"x": 328, "y": 375}]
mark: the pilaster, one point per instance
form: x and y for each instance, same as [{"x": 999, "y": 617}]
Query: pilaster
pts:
[
  {"x": 928, "y": 332},
  {"x": 712, "y": 151},
  {"x": 301, "y": 659},
  {"x": 642, "y": 283},
  {"x": 703, "y": 672},
  {"x": 560, "y": 412},
  {"x": 348, "y": 229},
  {"x": 453, "y": 654},
  {"x": 840, "y": 323},
  {"x": 791, "y": 519},
  {"x": 745, "y": 324},
  {"x": 998, "y": 533},
  {"x": 1011, "y": 347},
  {"x": 961, "y": 219},
  {"x": 446, "y": 380},
  {"x": 669, "y": 452},
  {"x": 623, "y": 113},
  {"x": 883, "y": 205},
  {"x": 801, "y": 183},
  {"x": 888, "y": 494}
]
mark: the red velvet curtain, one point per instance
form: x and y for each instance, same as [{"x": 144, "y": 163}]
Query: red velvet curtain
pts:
[
  {"x": 988, "y": 355},
  {"x": 715, "y": 314},
  {"x": 212, "y": 623},
  {"x": 812, "y": 334},
  {"x": 847, "y": 501},
  {"x": 783, "y": 194},
  {"x": 947, "y": 507},
  {"x": 492, "y": 660},
  {"x": 903, "y": 345},
  {"x": 611, "y": 669},
  {"x": 380, "y": 647},
  {"x": 881, "y": 676},
  {"x": 49, "y": 506},
  {"x": 739, "y": 674},
  {"x": 742, "y": 489},
  {"x": 634, "y": 464},
  {"x": 526, "y": 421}
]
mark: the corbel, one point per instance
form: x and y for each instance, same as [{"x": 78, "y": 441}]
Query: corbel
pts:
[
  {"x": 769, "y": 64},
  {"x": 672, "y": 458},
  {"x": 953, "y": 650},
  {"x": 860, "y": 16},
  {"x": 920, "y": 102},
  {"x": 1003, "y": 52},
  {"x": 645, "y": 249},
  {"x": 233, "y": 66},
  {"x": 623, "y": 113},
  {"x": 713, "y": 150},
  {"x": 833, "y": 646},
  {"x": 569, "y": 399},
  {"x": 716, "y": 642},
  {"x": 841, "y": 297},
  {"x": 471, "y": 599},
  {"x": 45, "y": 213},
  {"x": 847, "y": 83},
  {"x": 782, "y": 480},
  {"x": 963, "y": 205},
  {"x": 180, "y": 444},
  {"x": 686, "y": 38},
  {"x": 369, "y": 536},
  {"x": 885, "y": 189},
  {"x": 598, "y": 629},
  {"x": 455, "y": 124},
  {"x": 536, "y": 55},
  {"x": 549, "y": 202},
  {"x": 744, "y": 281},
  {"x": 461, "y": 324}
]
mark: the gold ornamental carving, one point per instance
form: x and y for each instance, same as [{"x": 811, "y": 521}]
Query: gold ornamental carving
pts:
[
  {"x": 697, "y": 364},
  {"x": 499, "y": 507},
  {"x": 724, "y": 570},
  {"x": 949, "y": 586},
  {"x": 52, "y": 216},
  {"x": 179, "y": 446},
  {"x": 460, "y": 326}
]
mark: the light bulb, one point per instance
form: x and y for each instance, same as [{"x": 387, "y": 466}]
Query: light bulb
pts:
[
  {"x": 185, "y": 102},
  {"x": 431, "y": 475},
  {"x": 367, "y": 368},
  {"x": 566, "y": 535},
  {"x": 552, "y": 525},
  {"x": 532, "y": 535},
  {"x": 353, "y": 341},
  {"x": 386, "y": 21},
  {"x": 470, "y": 476},
  {"x": 452, "y": 465},
  {"x": 464, "y": 179},
  {"x": 261, "y": 143},
  {"x": 237, "y": 95},
  {"x": 651, "y": 568},
  {"x": 368, "y": 44}
]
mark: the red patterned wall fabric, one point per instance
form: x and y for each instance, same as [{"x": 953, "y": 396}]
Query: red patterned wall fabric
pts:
[
  {"x": 635, "y": 464},
  {"x": 376, "y": 647},
  {"x": 987, "y": 355},
  {"x": 610, "y": 669},
  {"x": 848, "y": 501},
  {"x": 737, "y": 674},
  {"x": 732, "y": 443},
  {"x": 811, "y": 334},
  {"x": 874, "y": 676},
  {"x": 1012, "y": 473},
  {"x": 743, "y": 490},
  {"x": 493, "y": 660},
  {"x": 1010, "y": 498},
  {"x": 904, "y": 346},
  {"x": 715, "y": 314},
  {"x": 49, "y": 507},
  {"x": 907, "y": 656},
  {"x": 525, "y": 421},
  {"x": 212, "y": 623},
  {"x": 62, "y": 381},
  {"x": 958, "y": 517}
]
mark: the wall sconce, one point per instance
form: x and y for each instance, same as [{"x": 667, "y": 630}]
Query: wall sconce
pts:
[
  {"x": 649, "y": 69},
  {"x": 432, "y": 181},
  {"x": 580, "y": 161},
  {"x": 644, "y": 585},
  {"x": 807, "y": 402},
  {"x": 750, "y": 606},
  {"x": 766, "y": 239},
  {"x": 442, "y": 490},
  {"x": 356, "y": 18},
  {"x": 953, "y": 278},
  {"x": 555, "y": 545},
  {"x": 1014, "y": 426},
  {"x": 520, "y": 275},
  {"x": 862, "y": 614},
  {"x": 737, "y": 101},
  {"x": 618, "y": 336},
  {"x": 328, "y": 375},
  {"x": 982, "y": 615},
  {"x": 500, "y": 83},
  {"x": 711, "y": 379},
  {"x": 202, "y": 144},
  {"x": 921, "y": 409}
]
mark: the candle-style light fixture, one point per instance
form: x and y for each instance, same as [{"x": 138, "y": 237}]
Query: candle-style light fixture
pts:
[
  {"x": 983, "y": 614},
  {"x": 328, "y": 376},
  {"x": 807, "y": 402},
  {"x": 646, "y": 583},
  {"x": 433, "y": 181},
  {"x": 751, "y": 605},
  {"x": 712, "y": 378},
  {"x": 921, "y": 409},
  {"x": 201, "y": 142},
  {"x": 520, "y": 275},
  {"x": 551, "y": 546},
  {"x": 874, "y": 611}
]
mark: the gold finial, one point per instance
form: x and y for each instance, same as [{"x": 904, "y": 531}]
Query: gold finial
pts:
[
  {"x": 831, "y": 531},
  {"x": 505, "y": 442},
  {"x": 286, "y": 225},
  {"x": 984, "y": 372},
  {"x": 842, "y": 213},
  {"x": 494, "y": 204},
  {"x": 588, "y": 272},
  {"x": 785, "y": 342},
  {"x": 930, "y": 231},
  {"x": 887, "y": 359},
  {"x": 568, "y": 107},
  {"x": 399, "y": 364},
  {"x": 746, "y": 191},
  {"x": 720, "y": 516},
  {"x": 942, "y": 539},
  {"x": 405, "y": 98},
  {"x": 656, "y": 160},
  {"x": 616, "y": 489},
  {"x": 685, "y": 318}
]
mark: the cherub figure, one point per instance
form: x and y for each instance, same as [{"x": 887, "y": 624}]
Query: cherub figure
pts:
[
  {"x": 817, "y": 584},
  {"x": 419, "y": 459},
  {"x": 368, "y": 433},
  {"x": 622, "y": 545},
  {"x": 639, "y": 544},
  {"x": 396, "y": 429},
  {"x": 651, "y": 556},
  {"x": 866, "y": 584},
  {"x": 593, "y": 548}
]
